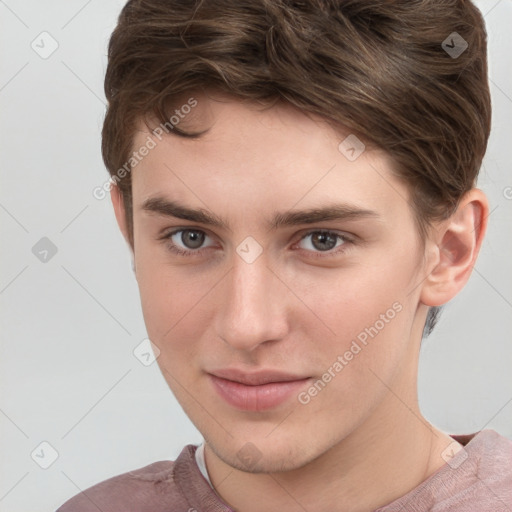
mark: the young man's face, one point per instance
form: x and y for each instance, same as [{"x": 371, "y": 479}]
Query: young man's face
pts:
[{"x": 282, "y": 302}]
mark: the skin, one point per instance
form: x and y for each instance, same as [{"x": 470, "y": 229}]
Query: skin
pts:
[{"x": 361, "y": 442}]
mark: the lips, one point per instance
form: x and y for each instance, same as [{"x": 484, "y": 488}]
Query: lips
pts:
[{"x": 256, "y": 391}]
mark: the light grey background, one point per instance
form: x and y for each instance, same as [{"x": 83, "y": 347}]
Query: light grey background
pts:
[{"x": 70, "y": 325}]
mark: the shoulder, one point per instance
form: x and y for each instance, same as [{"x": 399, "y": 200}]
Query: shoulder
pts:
[
  {"x": 151, "y": 488},
  {"x": 476, "y": 476},
  {"x": 493, "y": 453},
  {"x": 479, "y": 476},
  {"x": 483, "y": 471}
]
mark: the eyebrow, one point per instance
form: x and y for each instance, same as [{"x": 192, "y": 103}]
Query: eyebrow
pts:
[{"x": 324, "y": 213}]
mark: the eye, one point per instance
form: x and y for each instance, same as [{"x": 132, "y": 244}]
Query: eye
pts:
[
  {"x": 321, "y": 243},
  {"x": 185, "y": 242},
  {"x": 324, "y": 241}
]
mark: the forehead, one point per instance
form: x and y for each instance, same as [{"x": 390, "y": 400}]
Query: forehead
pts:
[{"x": 257, "y": 157}]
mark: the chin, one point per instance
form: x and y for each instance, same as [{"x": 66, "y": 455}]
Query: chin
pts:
[{"x": 265, "y": 455}]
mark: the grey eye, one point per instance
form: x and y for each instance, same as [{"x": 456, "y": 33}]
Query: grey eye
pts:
[
  {"x": 190, "y": 238},
  {"x": 322, "y": 241}
]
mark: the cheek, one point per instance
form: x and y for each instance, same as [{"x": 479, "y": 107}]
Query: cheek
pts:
[
  {"x": 358, "y": 365},
  {"x": 173, "y": 300},
  {"x": 363, "y": 323},
  {"x": 346, "y": 301},
  {"x": 168, "y": 308},
  {"x": 168, "y": 299}
]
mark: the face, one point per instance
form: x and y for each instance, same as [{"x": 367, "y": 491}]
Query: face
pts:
[{"x": 278, "y": 321}]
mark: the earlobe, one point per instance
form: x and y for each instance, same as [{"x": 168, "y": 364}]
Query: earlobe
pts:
[{"x": 459, "y": 239}]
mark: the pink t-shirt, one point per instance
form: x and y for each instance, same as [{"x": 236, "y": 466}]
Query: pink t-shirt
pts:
[{"x": 478, "y": 478}]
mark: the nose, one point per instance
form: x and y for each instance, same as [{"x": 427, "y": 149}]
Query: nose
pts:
[{"x": 252, "y": 305}]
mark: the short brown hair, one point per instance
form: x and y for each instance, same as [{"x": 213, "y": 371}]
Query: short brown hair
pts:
[{"x": 382, "y": 69}]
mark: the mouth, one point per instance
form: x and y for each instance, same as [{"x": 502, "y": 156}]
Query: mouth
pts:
[{"x": 256, "y": 391}]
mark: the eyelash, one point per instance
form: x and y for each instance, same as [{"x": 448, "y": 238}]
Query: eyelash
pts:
[{"x": 316, "y": 254}]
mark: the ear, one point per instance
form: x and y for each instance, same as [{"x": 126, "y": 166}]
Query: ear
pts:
[
  {"x": 455, "y": 246},
  {"x": 118, "y": 203}
]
